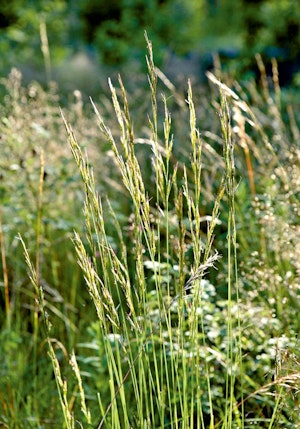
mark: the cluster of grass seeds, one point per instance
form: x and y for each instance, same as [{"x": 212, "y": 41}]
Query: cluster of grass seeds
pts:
[
  {"x": 268, "y": 239},
  {"x": 190, "y": 258},
  {"x": 153, "y": 336},
  {"x": 40, "y": 200},
  {"x": 33, "y": 140}
]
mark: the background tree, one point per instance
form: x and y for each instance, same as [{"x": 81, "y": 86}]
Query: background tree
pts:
[
  {"x": 20, "y": 31},
  {"x": 114, "y": 31},
  {"x": 117, "y": 28}
]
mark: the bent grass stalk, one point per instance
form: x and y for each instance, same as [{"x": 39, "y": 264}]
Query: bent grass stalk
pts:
[
  {"x": 61, "y": 384},
  {"x": 40, "y": 308}
]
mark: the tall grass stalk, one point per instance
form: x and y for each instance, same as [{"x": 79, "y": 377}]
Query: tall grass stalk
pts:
[
  {"x": 45, "y": 50},
  {"x": 158, "y": 332},
  {"x": 165, "y": 341},
  {"x": 61, "y": 384},
  {"x": 40, "y": 309},
  {"x": 232, "y": 276},
  {"x": 5, "y": 276}
]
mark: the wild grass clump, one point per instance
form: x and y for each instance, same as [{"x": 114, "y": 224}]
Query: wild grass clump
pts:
[{"x": 187, "y": 317}]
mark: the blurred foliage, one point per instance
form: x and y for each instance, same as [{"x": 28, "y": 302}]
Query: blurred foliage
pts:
[
  {"x": 20, "y": 30},
  {"x": 113, "y": 32},
  {"x": 116, "y": 29}
]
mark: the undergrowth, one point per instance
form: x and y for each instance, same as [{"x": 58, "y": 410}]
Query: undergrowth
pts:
[{"x": 181, "y": 310}]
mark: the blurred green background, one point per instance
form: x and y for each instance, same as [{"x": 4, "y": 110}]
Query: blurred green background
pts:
[{"x": 88, "y": 39}]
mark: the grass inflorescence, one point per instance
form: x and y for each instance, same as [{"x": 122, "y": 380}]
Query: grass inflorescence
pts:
[{"x": 163, "y": 262}]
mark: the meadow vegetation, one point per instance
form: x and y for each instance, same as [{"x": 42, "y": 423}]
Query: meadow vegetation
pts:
[{"x": 150, "y": 246}]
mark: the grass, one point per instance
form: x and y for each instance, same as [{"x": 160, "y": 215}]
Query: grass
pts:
[{"x": 163, "y": 258}]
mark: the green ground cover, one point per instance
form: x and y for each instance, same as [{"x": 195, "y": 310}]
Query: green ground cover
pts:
[{"x": 150, "y": 247}]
